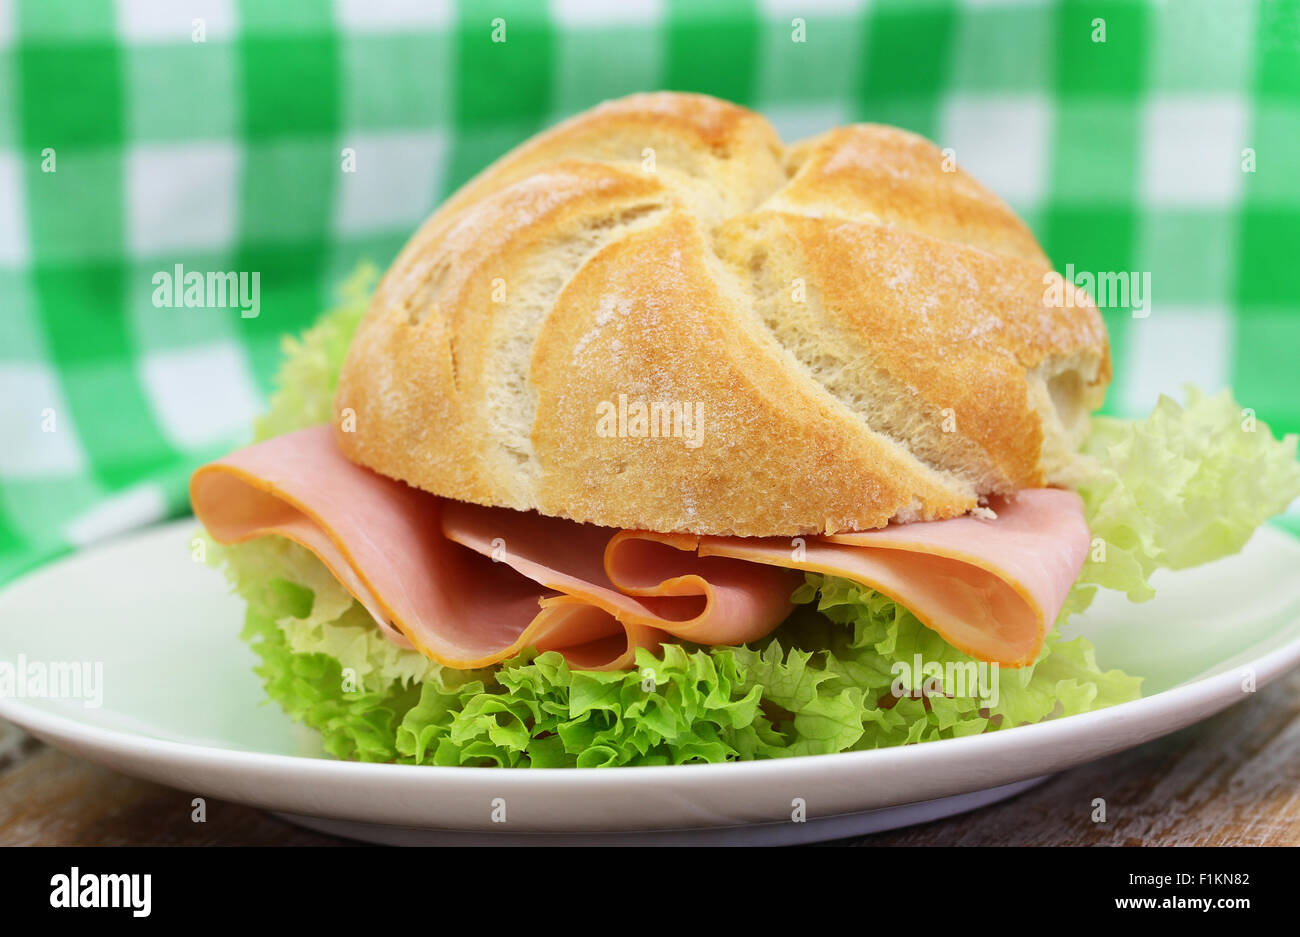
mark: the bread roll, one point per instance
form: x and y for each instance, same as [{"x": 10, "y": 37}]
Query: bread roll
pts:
[{"x": 821, "y": 338}]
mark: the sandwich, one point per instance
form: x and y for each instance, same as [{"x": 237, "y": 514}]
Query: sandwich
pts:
[{"x": 664, "y": 442}]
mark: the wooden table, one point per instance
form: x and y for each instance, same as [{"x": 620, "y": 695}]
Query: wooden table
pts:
[{"x": 1232, "y": 780}]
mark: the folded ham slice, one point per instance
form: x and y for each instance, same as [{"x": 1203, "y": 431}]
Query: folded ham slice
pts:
[
  {"x": 991, "y": 586},
  {"x": 470, "y": 586}
]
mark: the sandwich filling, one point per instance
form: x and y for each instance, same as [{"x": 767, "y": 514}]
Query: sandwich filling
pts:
[{"x": 470, "y": 586}]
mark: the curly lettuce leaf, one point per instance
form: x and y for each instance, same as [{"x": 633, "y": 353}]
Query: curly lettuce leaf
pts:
[
  {"x": 682, "y": 706},
  {"x": 1187, "y": 485},
  {"x": 861, "y": 640}
]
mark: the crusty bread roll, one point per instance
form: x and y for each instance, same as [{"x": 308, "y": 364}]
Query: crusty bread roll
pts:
[{"x": 863, "y": 335}]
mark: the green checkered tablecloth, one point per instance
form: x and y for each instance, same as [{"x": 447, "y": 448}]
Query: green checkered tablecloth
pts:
[{"x": 142, "y": 134}]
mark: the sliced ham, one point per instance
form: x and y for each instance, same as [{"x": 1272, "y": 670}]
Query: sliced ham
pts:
[
  {"x": 992, "y": 587},
  {"x": 645, "y": 579},
  {"x": 470, "y": 586}
]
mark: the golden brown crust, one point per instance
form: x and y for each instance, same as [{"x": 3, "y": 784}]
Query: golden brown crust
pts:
[
  {"x": 888, "y": 176},
  {"x": 866, "y": 339}
]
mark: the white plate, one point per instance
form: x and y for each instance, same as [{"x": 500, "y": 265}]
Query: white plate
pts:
[{"x": 181, "y": 706}]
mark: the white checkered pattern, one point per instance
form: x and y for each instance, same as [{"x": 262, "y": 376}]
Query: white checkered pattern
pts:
[{"x": 181, "y": 196}]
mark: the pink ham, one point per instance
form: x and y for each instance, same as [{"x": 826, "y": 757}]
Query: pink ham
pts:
[
  {"x": 430, "y": 569},
  {"x": 992, "y": 587},
  {"x": 470, "y": 586}
]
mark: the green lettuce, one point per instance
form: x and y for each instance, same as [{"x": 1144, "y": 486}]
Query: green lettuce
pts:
[
  {"x": 824, "y": 682},
  {"x": 1184, "y": 486}
]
